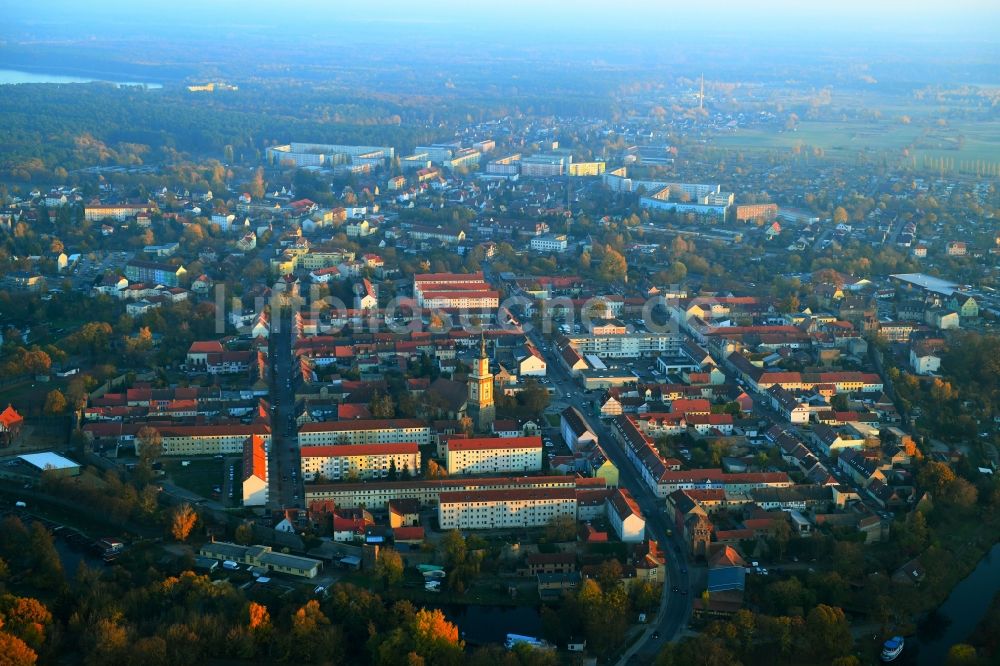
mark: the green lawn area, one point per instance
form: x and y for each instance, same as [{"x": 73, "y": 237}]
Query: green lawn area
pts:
[
  {"x": 199, "y": 476},
  {"x": 553, "y": 420}
]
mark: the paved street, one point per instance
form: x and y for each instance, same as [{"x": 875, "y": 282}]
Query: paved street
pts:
[
  {"x": 671, "y": 622},
  {"x": 283, "y": 466}
]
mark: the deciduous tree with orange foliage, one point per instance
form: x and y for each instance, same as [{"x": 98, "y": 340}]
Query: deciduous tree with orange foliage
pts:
[{"x": 183, "y": 521}]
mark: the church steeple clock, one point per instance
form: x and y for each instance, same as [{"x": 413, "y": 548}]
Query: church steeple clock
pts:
[{"x": 482, "y": 411}]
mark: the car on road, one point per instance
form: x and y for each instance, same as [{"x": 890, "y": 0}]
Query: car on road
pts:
[
  {"x": 675, "y": 589},
  {"x": 684, "y": 570}
]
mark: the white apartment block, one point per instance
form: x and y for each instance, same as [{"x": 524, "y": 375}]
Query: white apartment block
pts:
[
  {"x": 361, "y": 461},
  {"x": 549, "y": 243},
  {"x": 437, "y": 152},
  {"x": 320, "y": 154},
  {"x": 629, "y": 345},
  {"x": 499, "y": 509},
  {"x": 365, "y": 431},
  {"x": 545, "y": 165},
  {"x": 492, "y": 455}
]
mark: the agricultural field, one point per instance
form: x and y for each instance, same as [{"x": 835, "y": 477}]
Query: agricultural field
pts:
[{"x": 966, "y": 144}]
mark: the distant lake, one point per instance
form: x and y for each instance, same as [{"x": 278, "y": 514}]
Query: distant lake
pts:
[{"x": 10, "y": 76}]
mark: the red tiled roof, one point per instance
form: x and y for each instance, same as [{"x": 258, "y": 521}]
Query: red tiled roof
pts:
[
  {"x": 362, "y": 424},
  {"x": 255, "y": 458},
  {"x": 213, "y": 430},
  {"x": 350, "y": 410},
  {"x": 414, "y": 533},
  {"x": 508, "y": 495},
  {"x": 10, "y": 417},
  {"x": 205, "y": 347},
  {"x": 395, "y": 448},
  {"x": 488, "y": 443},
  {"x": 623, "y": 504}
]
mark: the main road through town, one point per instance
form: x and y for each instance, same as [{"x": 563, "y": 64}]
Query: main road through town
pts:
[
  {"x": 285, "y": 482},
  {"x": 675, "y": 607}
]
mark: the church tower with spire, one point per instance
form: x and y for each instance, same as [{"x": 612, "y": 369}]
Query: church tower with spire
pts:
[{"x": 481, "y": 409}]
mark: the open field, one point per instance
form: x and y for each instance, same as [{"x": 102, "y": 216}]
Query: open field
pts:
[{"x": 961, "y": 142}]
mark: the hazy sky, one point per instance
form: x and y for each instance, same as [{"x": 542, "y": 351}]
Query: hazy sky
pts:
[{"x": 584, "y": 18}]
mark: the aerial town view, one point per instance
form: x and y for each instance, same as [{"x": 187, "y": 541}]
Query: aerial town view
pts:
[{"x": 506, "y": 334}]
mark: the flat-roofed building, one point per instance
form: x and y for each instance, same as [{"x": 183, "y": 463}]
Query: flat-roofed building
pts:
[
  {"x": 361, "y": 461},
  {"x": 493, "y": 455},
  {"x": 756, "y": 212},
  {"x": 299, "y": 154},
  {"x": 584, "y": 169},
  {"x": 505, "y": 166},
  {"x": 51, "y": 463},
  {"x": 629, "y": 345},
  {"x": 500, "y": 509},
  {"x": 549, "y": 243},
  {"x": 545, "y": 165}
]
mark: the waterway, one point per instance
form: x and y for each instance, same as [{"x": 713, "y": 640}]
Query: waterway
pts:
[
  {"x": 480, "y": 625},
  {"x": 13, "y": 76},
  {"x": 958, "y": 616}
]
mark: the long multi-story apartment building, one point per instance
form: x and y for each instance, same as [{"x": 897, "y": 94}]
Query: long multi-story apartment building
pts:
[
  {"x": 439, "y": 153},
  {"x": 118, "y": 212},
  {"x": 364, "y": 431},
  {"x": 545, "y": 165},
  {"x": 499, "y": 509},
  {"x": 360, "y": 461},
  {"x": 155, "y": 273},
  {"x": 461, "y": 299},
  {"x": 378, "y": 494},
  {"x": 197, "y": 440},
  {"x": 494, "y": 455},
  {"x": 464, "y": 157},
  {"x": 584, "y": 169},
  {"x": 629, "y": 345},
  {"x": 325, "y": 154},
  {"x": 505, "y": 166},
  {"x": 766, "y": 212},
  {"x": 444, "y": 283},
  {"x": 716, "y": 478}
]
